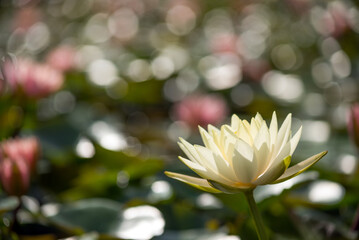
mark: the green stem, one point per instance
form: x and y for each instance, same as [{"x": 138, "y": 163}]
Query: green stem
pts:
[{"x": 256, "y": 215}]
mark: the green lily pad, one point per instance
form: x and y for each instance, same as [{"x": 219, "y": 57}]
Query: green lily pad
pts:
[
  {"x": 197, "y": 234},
  {"x": 8, "y": 204},
  {"x": 108, "y": 217}
]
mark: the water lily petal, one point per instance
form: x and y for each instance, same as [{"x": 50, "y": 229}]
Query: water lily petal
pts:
[
  {"x": 254, "y": 127},
  {"x": 300, "y": 167},
  {"x": 259, "y": 119},
  {"x": 189, "y": 150},
  {"x": 273, "y": 173},
  {"x": 262, "y": 136},
  {"x": 199, "y": 183},
  {"x": 208, "y": 141},
  {"x": 229, "y": 138},
  {"x": 216, "y": 163},
  {"x": 261, "y": 147},
  {"x": 284, "y": 152},
  {"x": 243, "y": 161},
  {"x": 238, "y": 188},
  {"x": 193, "y": 155},
  {"x": 200, "y": 170},
  {"x": 244, "y": 132},
  {"x": 283, "y": 135},
  {"x": 243, "y": 157},
  {"x": 260, "y": 159},
  {"x": 235, "y": 122},
  {"x": 273, "y": 130},
  {"x": 215, "y": 133},
  {"x": 204, "y": 171}
]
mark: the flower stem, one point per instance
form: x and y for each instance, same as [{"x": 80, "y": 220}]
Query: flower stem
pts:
[{"x": 256, "y": 215}]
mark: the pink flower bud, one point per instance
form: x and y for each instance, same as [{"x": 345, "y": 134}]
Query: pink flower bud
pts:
[
  {"x": 32, "y": 79},
  {"x": 18, "y": 159},
  {"x": 353, "y": 124},
  {"x": 201, "y": 110},
  {"x": 23, "y": 148},
  {"x": 14, "y": 176}
]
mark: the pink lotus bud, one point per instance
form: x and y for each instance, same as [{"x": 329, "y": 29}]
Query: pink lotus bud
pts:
[
  {"x": 18, "y": 159},
  {"x": 22, "y": 148},
  {"x": 32, "y": 79},
  {"x": 353, "y": 124},
  {"x": 14, "y": 176},
  {"x": 201, "y": 110},
  {"x": 62, "y": 58}
]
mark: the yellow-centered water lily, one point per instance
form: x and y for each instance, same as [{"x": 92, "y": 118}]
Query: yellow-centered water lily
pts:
[{"x": 243, "y": 155}]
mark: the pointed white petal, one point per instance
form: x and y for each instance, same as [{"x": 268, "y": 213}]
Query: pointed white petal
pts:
[
  {"x": 217, "y": 164},
  {"x": 247, "y": 125},
  {"x": 243, "y": 161},
  {"x": 206, "y": 157},
  {"x": 229, "y": 139},
  {"x": 273, "y": 173},
  {"x": 262, "y": 136},
  {"x": 259, "y": 119},
  {"x": 260, "y": 159},
  {"x": 200, "y": 170},
  {"x": 284, "y": 152},
  {"x": 208, "y": 141},
  {"x": 235, "y": 122},
  {"x": 300, "y": 167},
  {"x": 283, "y": 134},
  {"x": 244, "y": 132},
  {"x": 215, "y": 133},
  {"x": 254, "y": 127},
  {"x": 273, "y": 130},
  {"x": 294, "y": 141},
  {"x": 189, "y": 150},
  {"x": 205, "y": 137},
  {"x": 199, "y": 183},
  {"x": 241, "y": 156}
]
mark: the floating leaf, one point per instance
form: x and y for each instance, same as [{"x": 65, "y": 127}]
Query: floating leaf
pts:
[
  {"x": 108, "y": 217},
  {"x": 8, "y": 204}
]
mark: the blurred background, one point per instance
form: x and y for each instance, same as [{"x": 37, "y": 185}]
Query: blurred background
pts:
[{"x": 107, "y": 86}]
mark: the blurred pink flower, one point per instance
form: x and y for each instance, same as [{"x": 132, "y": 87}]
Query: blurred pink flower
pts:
[
  {"x": 332, "y": 21},
  {"x": 32, "y": 79},
  {"x": 339, "y": 13},
  {"x": 225, "y": 42},
  {"x": 18, "y": 159},
  {"x": 62, "y": 58},
  {"x": 300, "y": 7},
  {"x": 201, "y": 110},
  {"x": 353, "y": 124},
  {"x": 26, "y": 17},
  {"x": 256, "y": 68}
]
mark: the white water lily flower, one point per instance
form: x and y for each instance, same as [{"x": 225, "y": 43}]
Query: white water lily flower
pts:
[{"x": 243, "y": 155}]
